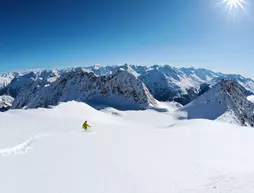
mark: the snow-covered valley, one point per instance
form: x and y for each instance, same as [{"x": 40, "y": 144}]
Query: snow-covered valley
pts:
[{"x": 45, "y": 150}]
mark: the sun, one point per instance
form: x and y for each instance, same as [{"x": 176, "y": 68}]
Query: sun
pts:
[
  {"x": 233, "y": 5},
  {"x": 236, "y": 9}
]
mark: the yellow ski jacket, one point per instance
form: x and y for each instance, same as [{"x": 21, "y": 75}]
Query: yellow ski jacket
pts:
[{"x": 86, "y": 126}]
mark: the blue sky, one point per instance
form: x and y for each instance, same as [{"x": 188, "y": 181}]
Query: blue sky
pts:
[{"x": 54, "y": 33}]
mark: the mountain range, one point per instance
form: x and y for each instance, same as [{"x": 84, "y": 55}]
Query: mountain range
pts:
[
  {"x": 122, "y": 87},
  {"x": 120, "y": 90}
]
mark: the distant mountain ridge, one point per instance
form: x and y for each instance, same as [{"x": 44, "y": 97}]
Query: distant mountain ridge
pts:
[
  {"x": 165, "y": 83},
  {"x": 120, "y": 90},
  {"x": 168, "y": 83}
]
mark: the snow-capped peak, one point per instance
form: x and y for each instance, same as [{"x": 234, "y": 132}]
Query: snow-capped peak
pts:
[{"x": 225, "y": 101}]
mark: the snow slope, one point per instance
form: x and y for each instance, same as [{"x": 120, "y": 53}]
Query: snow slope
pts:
[
  {"x": 45, "y": 150},
  {"x": 225, "y": 101}
]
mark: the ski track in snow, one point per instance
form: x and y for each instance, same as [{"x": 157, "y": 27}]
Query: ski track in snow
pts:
[
  {"x": 20, "y": 148},
  {"x": 25, "y": 146}
]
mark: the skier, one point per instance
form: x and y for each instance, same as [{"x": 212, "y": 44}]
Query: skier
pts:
[{"x": 85, "y": 125}]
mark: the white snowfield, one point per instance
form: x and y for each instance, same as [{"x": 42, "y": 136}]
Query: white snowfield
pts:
[{"x": 46, "y": 151}]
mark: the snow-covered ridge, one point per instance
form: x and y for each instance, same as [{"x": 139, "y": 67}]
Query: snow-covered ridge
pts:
[
  {"x": 225, "y": 101},
  {"x": 122, "y": 90}
]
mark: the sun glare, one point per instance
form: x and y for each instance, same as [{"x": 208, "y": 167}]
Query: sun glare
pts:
[
  {"x": 236, "y": 9},
  {"x": 233, "y": 5}
]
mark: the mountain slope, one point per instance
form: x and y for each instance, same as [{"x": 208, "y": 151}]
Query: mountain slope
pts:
[
  {"x": 46, "y": 151},
  {"x": 120, "y": 90},
  {"x": 167, "y": 83},
  {"x": 225, "y": 101},
  {"x": 246, "y": 83}
]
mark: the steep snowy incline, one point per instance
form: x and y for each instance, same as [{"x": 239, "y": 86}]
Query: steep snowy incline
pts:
[
  {"x": 45, "y": 150},
  {"x": 121, "y": 90},
  {"x": 225, "y": 101}
]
